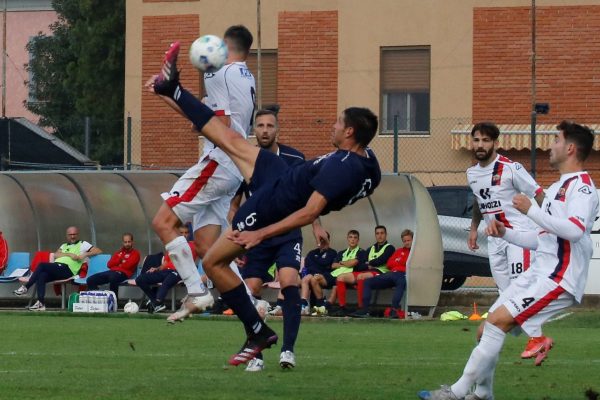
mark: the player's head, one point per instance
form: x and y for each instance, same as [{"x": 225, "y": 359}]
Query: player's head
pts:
[
  {"x": 353, "y": 238},
  {"x": 484, "y": 140},
  {"x": 72, "y": 234},
  {"x": 407, "y": 238},
  {"x": 127, "y": 240},
  {"x": 266, "y": 128},
  {"x": 324, "y": 245},
  {"x": 238, "y": 39},
  {"x": 573, "y": 140},
  {"x": 358, "y": 122},
  {"x": 380, "y": 234}
]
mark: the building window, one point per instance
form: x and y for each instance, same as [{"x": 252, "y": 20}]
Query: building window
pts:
[
  {"x": 268, "y": 74},
  {"x": 404, "y": 75}
]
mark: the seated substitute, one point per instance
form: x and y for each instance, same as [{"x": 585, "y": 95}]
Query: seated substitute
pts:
[
  {"x": 377, "y": 256},
  {"x": 122, "y": 266},
  {"x": 68, "y": 260},
  {"x": 165, "y": 274},
  {"x": 344, "y": 263},
  {"x": 395, "y": 277},
  {"x": 317, "y": 273}
]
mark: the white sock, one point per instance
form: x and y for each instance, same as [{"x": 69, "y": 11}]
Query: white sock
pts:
[
  {"x": 485, "y": 384},
  {"x": 181, "y": 255},
  {"x": 236, "y": 270},
  {"x": 482, "y": 362}
]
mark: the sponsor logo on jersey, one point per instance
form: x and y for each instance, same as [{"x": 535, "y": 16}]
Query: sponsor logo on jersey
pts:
[
  {"x": 515, "y": 305},
  {"x": 490, "y": 204},
  {"x": 585, "y": 190},
  {"x": 208, "y": 75}
]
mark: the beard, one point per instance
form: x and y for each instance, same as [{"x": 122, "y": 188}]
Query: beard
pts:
[{"x": 482, "y": 155}]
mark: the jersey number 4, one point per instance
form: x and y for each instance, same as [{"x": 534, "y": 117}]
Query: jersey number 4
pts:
[{"x": 527, "y": 301}]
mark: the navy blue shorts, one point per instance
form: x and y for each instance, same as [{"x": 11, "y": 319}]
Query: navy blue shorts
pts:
[
  {"x": 254, "y": 213},
  {"x": 260, "y": 259}
]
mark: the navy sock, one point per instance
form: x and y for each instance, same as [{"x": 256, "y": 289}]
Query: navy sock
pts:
[
  {"x": 319, "y": 302},
  {"x": 291, "y": 316},
  {"x": 240, "y": 303},
  {"x": 193, "y": 108},
  {"x": 304, "y": 302},
  {"x": 279, "y": 302}
]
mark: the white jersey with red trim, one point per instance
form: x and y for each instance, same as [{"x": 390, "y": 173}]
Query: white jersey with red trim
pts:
[
  {"x": 574, "y": 199},
  {"x": 230, "y": 91},
  {"x": 494, "y": 187}
]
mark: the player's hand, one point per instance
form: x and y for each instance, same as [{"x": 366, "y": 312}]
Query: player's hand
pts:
[
  {"x": 320, "y": 235},
  {"x": 150, "y": 83},
  {"x": 522, "y": 203},
  {"x": 151, "y": 270},
  {"x": 472, "y": 241},
  {"x": 246, "y": 239},
  {"x": 495, "y": 229}
]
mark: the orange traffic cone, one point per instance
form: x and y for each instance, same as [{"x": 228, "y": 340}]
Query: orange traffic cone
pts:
[{"x": 474, "y": 316}]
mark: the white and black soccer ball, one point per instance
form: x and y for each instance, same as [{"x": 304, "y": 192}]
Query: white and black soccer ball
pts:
[
  {"x": 131, "y": 307},
  {"x": 208, "y": 53}
]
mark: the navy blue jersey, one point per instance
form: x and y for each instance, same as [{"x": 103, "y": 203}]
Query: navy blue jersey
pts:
[
  {"x": 342, "y": 177},
  {"x": 290, "y": 155},
  {"x": 319, "y": 262}
]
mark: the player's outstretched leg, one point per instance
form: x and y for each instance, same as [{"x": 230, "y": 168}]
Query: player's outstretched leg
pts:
[{"x": 235, "y": 145}]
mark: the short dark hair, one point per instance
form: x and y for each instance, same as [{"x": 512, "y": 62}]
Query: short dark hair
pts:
[
  {"x": 128, "y": 234},
  {"x": 580, "y": 135},
  {"x": 364, "y": 123},
  {"x": 407, "y": 232},
  {"x": 488, "y": 129},
  {"x": 381, "y": 227},
  {"x": 241, "y": 38},
  {"x": 264, "y": 111},
  {"x": 353, "y": 232}
]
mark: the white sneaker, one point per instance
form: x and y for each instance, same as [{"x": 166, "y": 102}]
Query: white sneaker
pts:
[
  {"x": 277, "y": 310},
  {"x": 191, "y": 304},
  {"x": 287, "y": 359},
  {"x": 38, "y": 306},
  {"x": 20, "y": 291},
  {"x": 255, "y": 365},
  {"x": 262, "y": 306},
  {"x": 444, "y": 393},
  {"x": 305, "y": 310}
]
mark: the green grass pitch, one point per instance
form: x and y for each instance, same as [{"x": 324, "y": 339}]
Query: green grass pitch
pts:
[{"x": 66, "y": 356}]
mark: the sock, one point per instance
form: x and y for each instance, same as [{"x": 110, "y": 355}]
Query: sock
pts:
[
  {"x": 304, "y": 302},
  {"x": 193, "y": 108},
  {"x": 360, "y": 285},
  {"x": 240, "y": 303},
  {"x": 340, "y": 287},
  {"x": 236, "y": 271},
  {"x": 483, "y": 360},
  {"x": 485, "y": 385},
  {"x": 291, "y": 316},
  {"x": 279, "y": 303},
  {"x": 181, "y": 255},
  {"x": 319, "y": 302}
]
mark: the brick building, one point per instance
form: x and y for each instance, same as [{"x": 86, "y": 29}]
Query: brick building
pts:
[{"x": 436, "y": 65}]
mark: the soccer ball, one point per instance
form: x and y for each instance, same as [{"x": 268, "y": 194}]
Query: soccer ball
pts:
[
  {"x": 208, "y": 53},
  {"x": 131, "y": 307}
]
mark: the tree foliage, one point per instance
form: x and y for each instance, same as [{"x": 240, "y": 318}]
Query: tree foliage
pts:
[{"x": 79, "y": 71}]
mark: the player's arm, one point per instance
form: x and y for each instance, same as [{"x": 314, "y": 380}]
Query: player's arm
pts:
[
  {"x": 525, "y": 239},
  {"x": 234, "y": 205},
  {"x": 475, "y": 220},
  {"x": 304, "y": 216},
  {"x": 571, "y": 228},
  {"x": 319, "y": 232},
  {"x": 539, "y": 197}
]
